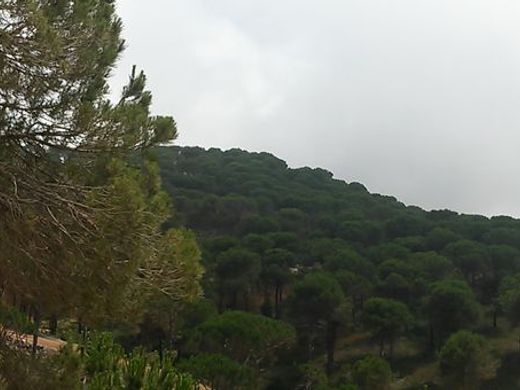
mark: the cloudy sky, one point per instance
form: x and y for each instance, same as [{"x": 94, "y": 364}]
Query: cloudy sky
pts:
[{"x": 419, "y": 99}]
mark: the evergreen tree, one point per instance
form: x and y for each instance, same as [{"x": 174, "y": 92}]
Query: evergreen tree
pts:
[{"x": 80, "y": 224}]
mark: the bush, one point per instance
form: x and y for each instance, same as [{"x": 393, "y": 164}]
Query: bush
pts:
[
  {"x": 465, "y": 361},
  {"x": 372, "y": 373},
  {"x": 217, "y": 371}
]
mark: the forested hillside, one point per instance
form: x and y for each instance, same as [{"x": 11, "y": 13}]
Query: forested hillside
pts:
[{"x": 435, "y": 294}]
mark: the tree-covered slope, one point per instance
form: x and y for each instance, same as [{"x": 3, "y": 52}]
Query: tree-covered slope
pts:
[
  {"x": 238, "y": 192},
  {"x": 337, "y": 262}
]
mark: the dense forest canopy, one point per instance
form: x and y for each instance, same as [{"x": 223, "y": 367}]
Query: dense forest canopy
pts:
[{"x": 336, "y": 261}]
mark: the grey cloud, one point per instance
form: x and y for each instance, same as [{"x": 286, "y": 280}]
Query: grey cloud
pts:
[{"x": 414, "y": 98}]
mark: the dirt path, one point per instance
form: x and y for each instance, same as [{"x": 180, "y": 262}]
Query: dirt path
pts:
[{"x": 48, "y": 343}]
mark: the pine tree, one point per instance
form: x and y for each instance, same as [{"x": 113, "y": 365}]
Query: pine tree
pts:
[{"x": 79, "y": 225}]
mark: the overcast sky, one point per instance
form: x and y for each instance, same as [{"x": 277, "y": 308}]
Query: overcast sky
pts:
[{"x": 419, "y": 99}]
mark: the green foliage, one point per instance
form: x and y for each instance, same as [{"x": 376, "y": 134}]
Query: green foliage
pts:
[
  {"x": 504, "y": 260},
  {"x": 465, "y": 360},
  {"x": 257, "y": 243},
  {"x": 386, "y": 318},
  {"x": 349, "y": 260},
  {"x": 431, "y": 266},
  {"x": 394, "y": 266},
  {"x": 386, "y": 315},
  {"x": 221, "y": 243},
  {"x": 21, "y": 371},
  {"x": 176, "y": 272},
  {"x": 107, "y": 366},
  {"x": 387, "y": 251},
  {"x": 452, "y": 306},
  {"x": 469, "y": 256},
  {"x": 298, "y": 240},
  {"x": 364, "y": 232},
  {"x": 195, "y": 313},
  {"x": 316, "y": 378},
  {"x": 236, "y": 270},
  {"x": 439, "y": 237},
  {"x": 317, "y": 297},
  {"x": 97, "y": 364},
  {"x": 372, "y": 373},
  {"x": 317, "y": 306},
  {"x": 246, "y": 338},
  {"x": 80, "y": 227},
  {"x": 397, "y": 287},
  {"x": 217, "y": 371},
  {"x": 354, "y": 286},
  {"x": 81, "y": 207},
  {"x": 15, "y": 320},
  {"x": 509, "y": 297}
]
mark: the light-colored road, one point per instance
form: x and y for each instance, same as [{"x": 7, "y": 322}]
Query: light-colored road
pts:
[{"x": 48, "y": 343}]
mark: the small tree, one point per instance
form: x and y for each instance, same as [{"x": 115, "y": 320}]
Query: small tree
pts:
[
  {"x": 509, "y": 297},
  {"x": 451, "y": 306},
  {"x": 372, "y": 373},
  {"x": 237, "y": 269},
  {"x": 217, "y": 371},
  {"x": 318, "y": 302},
  {"x": 247, "y": 338},
  {"x": 174, "y": 280},
  {"x": 470, "y": 257},
  {"x": 431, "y": 266},
  {"x": 465, "y": 361},
  {"x": 107, "y": 366},
  {"x": 275, "y": 275},
  {"x": 357, "y": 288},
  {"x": 386, "y": 318}
]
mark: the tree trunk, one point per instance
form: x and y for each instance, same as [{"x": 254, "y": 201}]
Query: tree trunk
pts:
[
  {"x": 246, "y": 301},
  {"x": 36, "y": 331},
  {"x": 382, "y": 346},
  {"x": 234, "y": 300},
  {"x": 353, "y": 311},
  {"x": 332, "y": 333},
  {"x": 84, "y": 334},
  {"x": 220, "y": 303},
  {"x": 80, "y": 332},
  {"x": 267, "y": 307},
  {"x": 311, "y": 347},
  {"x": 432, "y": 341},
  {"x": 53, "y": 325},
  {"x": 171, "y": 335},
  {"x": 276, "y": 302},
  {"x": 161, "y": 352}
]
